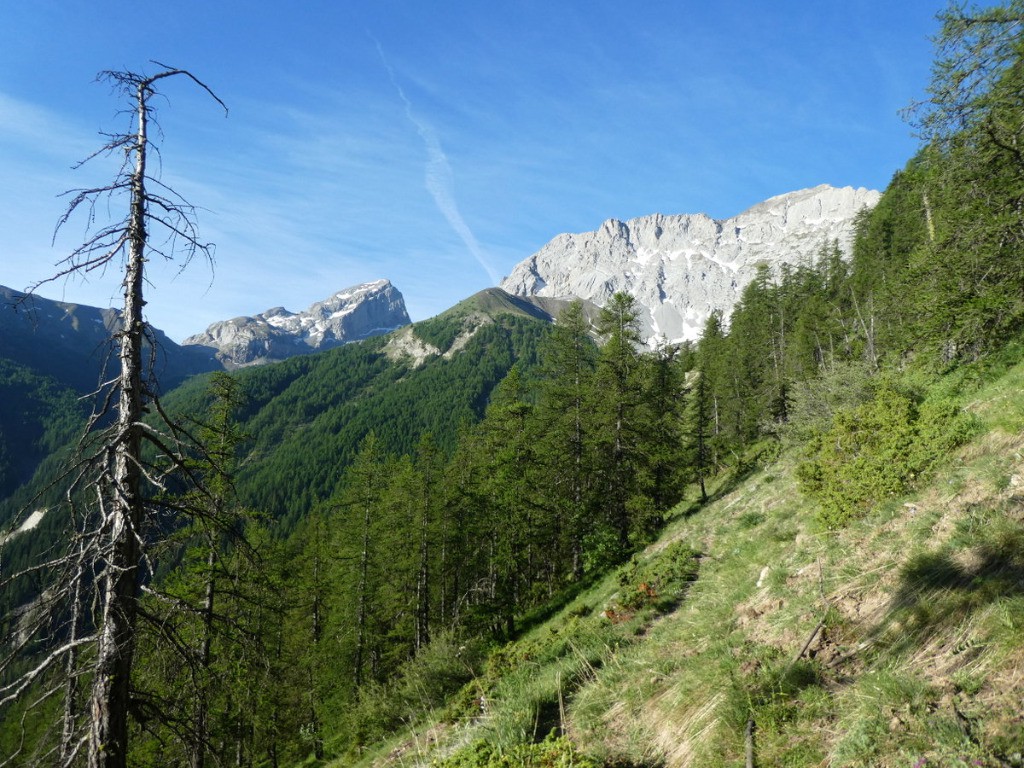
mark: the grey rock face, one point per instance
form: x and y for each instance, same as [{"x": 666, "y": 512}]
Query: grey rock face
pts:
[
  {"x": 681, "y": 268},
  {"x": 349, "y": 315}
]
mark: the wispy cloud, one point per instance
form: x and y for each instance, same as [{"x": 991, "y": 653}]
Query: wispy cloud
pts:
[
  {"x": 440, "y": 180},
  {"x": 35, "y": 128}
]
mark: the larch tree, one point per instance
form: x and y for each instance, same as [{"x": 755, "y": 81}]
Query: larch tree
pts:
[
  {"x": 968, "y": 272},
  {"x": 115, "y": 482},
  {"x": 569, "y": 360},
  {"x": 977, "y": 48},
  {"x": 617, "y": 397}
]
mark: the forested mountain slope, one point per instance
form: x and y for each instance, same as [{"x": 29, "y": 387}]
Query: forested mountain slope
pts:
[
  {"x": 893, "y": 641},
  {"x": 306, "y": 416},
  {"x": 303, "y": 418},
  {"x": 38, "y": 415},
  {"x": 53, "y": 353}
]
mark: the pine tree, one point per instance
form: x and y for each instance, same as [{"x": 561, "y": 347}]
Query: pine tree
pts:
[
  {"x": 712, "y": 398},
  {"x": 404, "y": 534},
  {"x": 314, "y": 596},
  {"x": 698, "y": 430},
  {"x": 429, "y": 466},
  {"x": 756, "y": 340},
  {"x": 360, "y": 506},
  {"x": 517, "y": 522},
  {"x": 664, "y": 406}
]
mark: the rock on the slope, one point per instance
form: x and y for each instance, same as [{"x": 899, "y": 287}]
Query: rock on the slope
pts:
[
  {"x": 681, "y": 268},
  {"x": 355, "y": 313}
]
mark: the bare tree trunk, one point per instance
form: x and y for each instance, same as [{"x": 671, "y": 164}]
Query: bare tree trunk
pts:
[
  {"x": 423, "y": 577},
  {"x": 442, "y": 567},
  {"x": 316, "y": 635},
  {"x": 108, "y": 739},
  {"x": 68, "y": 746},
  {"x": 577, "y": 479},
  {"x": 869, "y": 332},
  {"x": 111, "y": 544}
]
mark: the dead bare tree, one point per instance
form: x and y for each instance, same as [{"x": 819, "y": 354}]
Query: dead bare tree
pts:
[{"x": 104, "y": 563}]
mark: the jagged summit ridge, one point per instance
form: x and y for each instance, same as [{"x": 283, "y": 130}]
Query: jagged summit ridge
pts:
[
  {"x": 351, "y": 314},
  {"x": 680, "y": 268}
]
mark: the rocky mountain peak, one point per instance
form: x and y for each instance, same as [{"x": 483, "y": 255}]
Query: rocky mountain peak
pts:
[
  {"x": 351, "y": 314},
  {"x": 680, "y": 268}
]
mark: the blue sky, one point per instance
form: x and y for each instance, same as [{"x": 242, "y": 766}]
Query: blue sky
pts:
[{"x": 438, "y": 144}]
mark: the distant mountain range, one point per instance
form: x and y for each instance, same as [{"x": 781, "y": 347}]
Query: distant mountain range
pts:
[
  {"x": 53, "y": 353},
  {"x": 71, "y": 342},
  {"x": 681, "y": 268}
]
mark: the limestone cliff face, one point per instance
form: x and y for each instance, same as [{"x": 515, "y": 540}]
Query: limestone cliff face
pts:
[
  {"x": 681, "y": 268},
  {"x": 349, "y": 315}
]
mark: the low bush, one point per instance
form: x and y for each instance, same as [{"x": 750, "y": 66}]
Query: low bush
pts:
[
  {"x": 660, "y": 582},
  {"x": 554, "y": 752},
  {"x": 878, "y": 449}
]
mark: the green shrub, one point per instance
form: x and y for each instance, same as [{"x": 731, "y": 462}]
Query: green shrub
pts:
[
  {"x": 425, "y": 684},
  {"x": 661, "y": 581},
  {"x": 877, "y": 450},
  {"x": 554, "y": 752}
]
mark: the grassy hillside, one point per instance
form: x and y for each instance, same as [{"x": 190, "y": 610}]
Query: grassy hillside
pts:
[{"x": 895, "y": 641}]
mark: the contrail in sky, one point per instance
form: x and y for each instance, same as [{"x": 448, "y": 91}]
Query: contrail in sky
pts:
[{"x": 440, "y": 180}]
